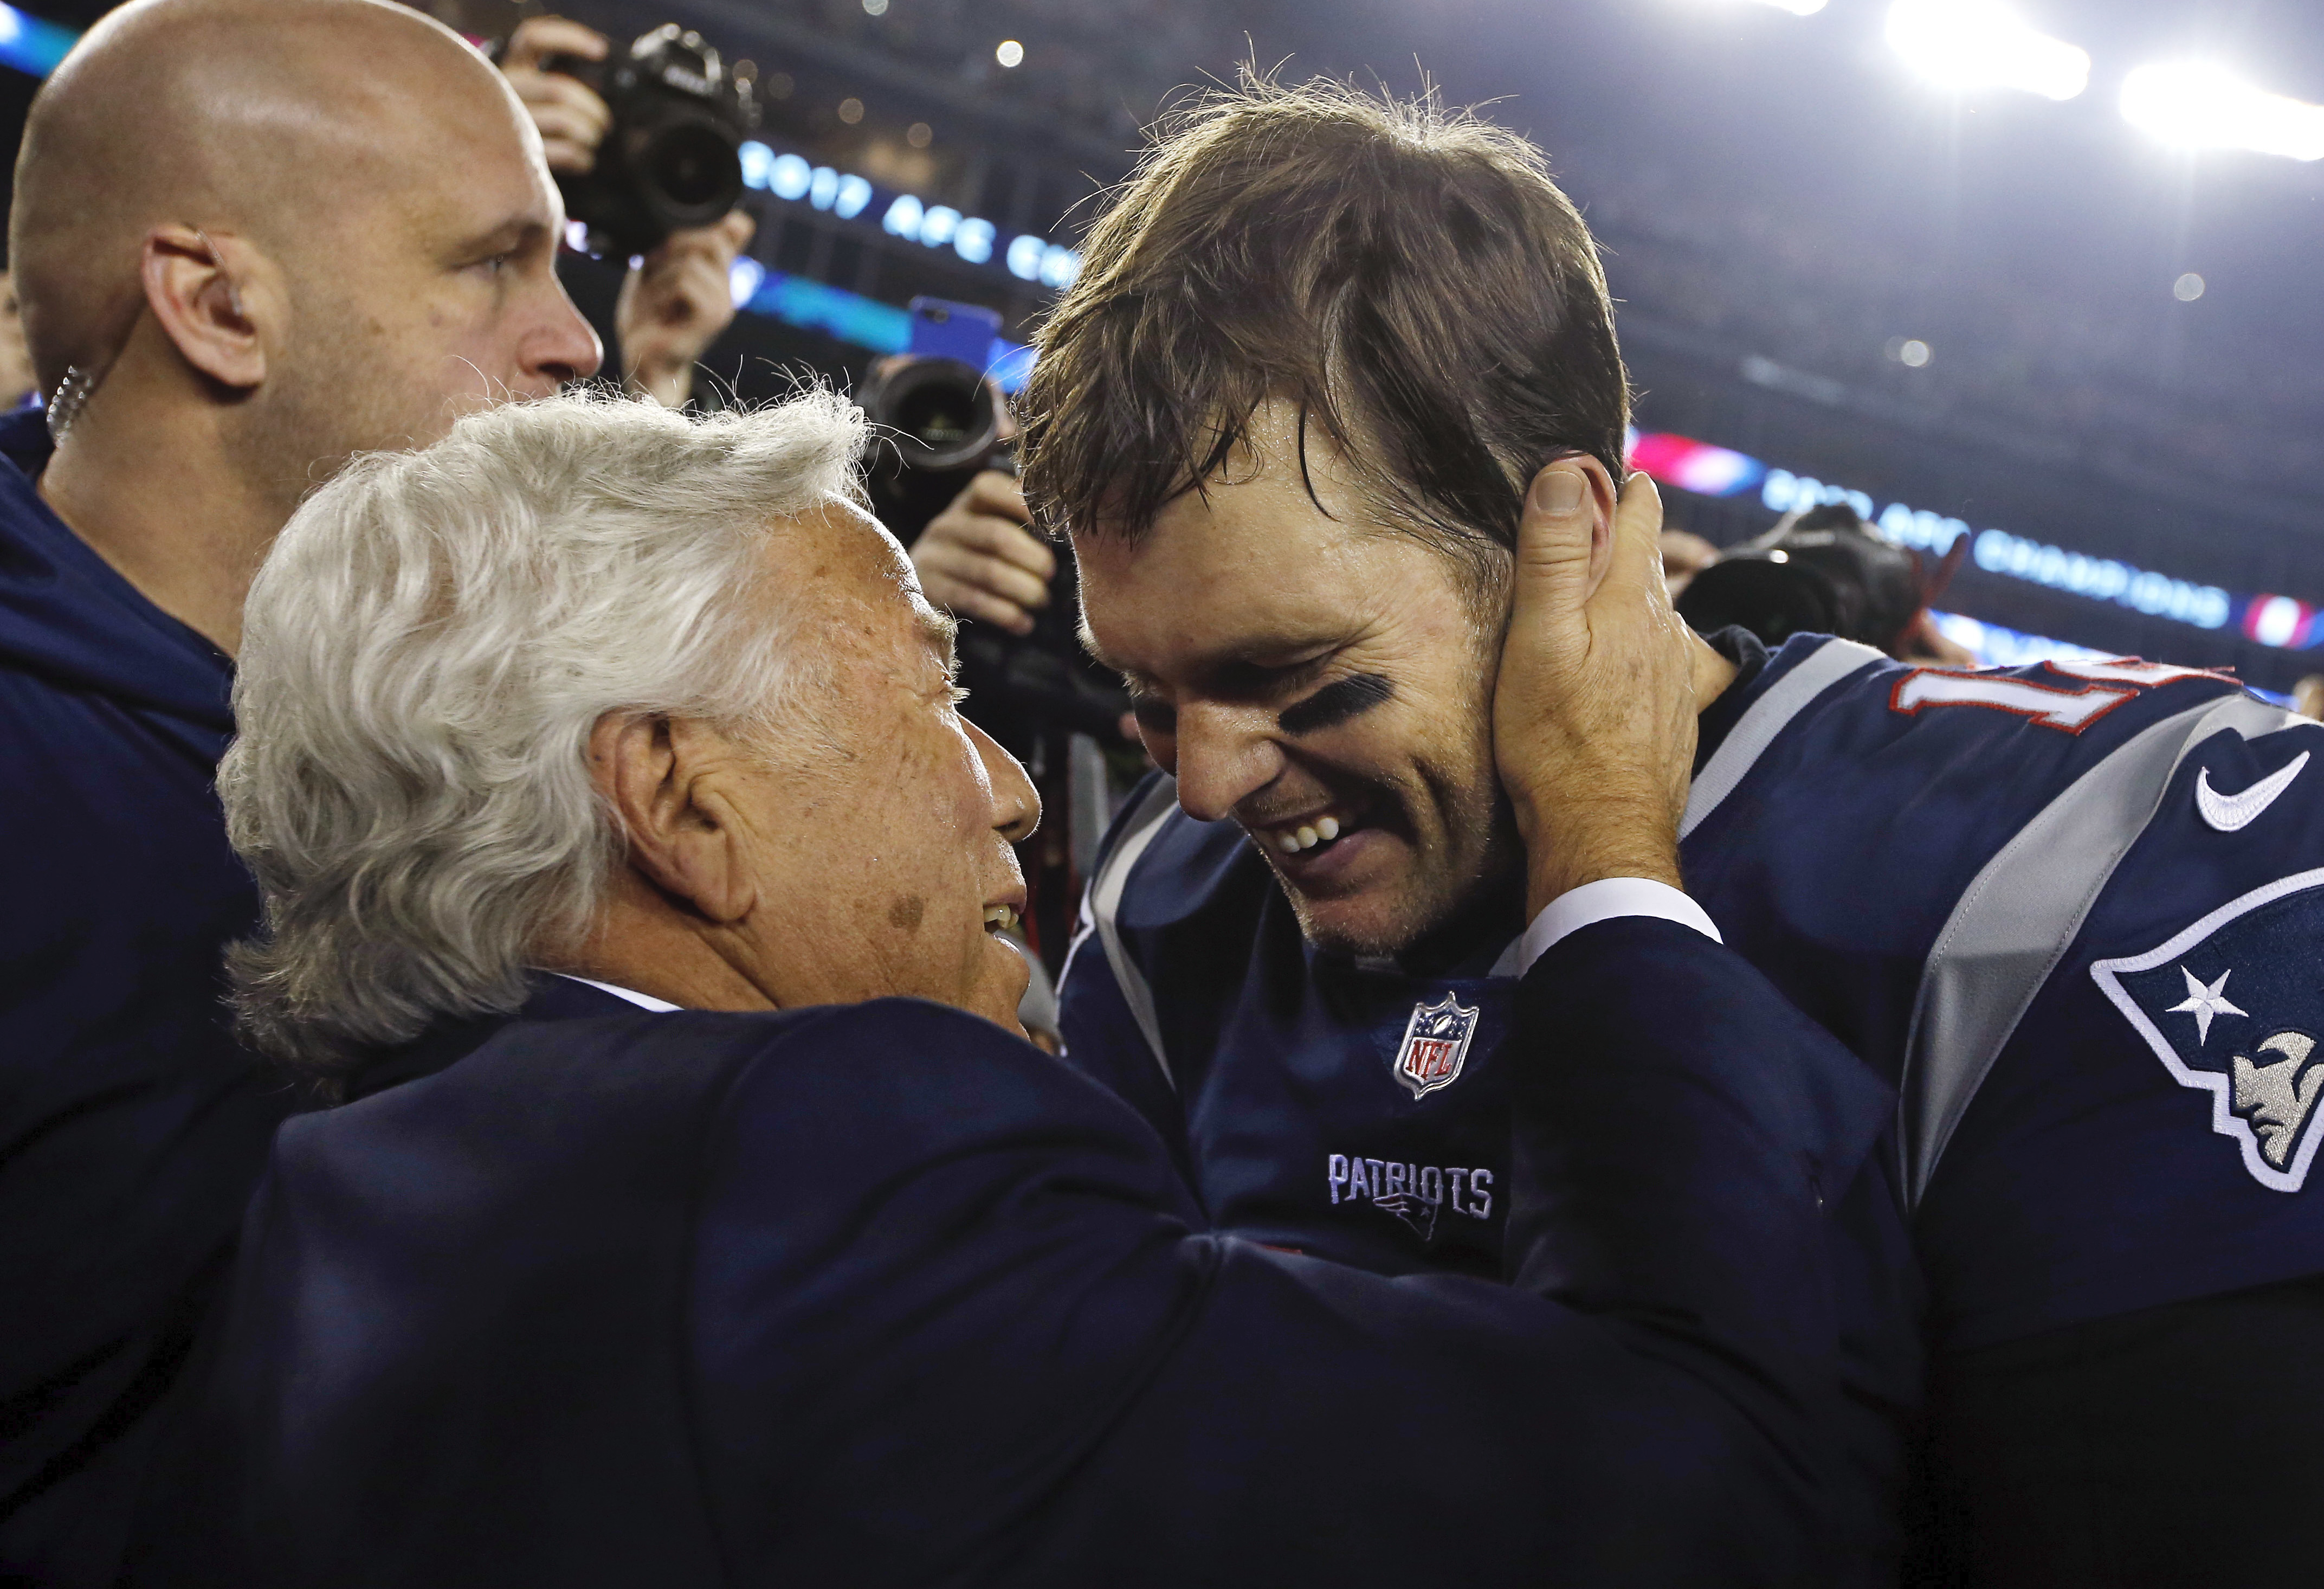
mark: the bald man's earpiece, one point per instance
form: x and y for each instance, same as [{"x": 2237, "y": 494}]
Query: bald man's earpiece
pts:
[
  {"x": 233, "y": 293},
  {"x": 72, "y": 397},
  {"x": 191, "y": 290}
]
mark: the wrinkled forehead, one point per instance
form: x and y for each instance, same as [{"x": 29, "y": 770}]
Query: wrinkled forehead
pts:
[
  {"x": 1251, "y": 571},
  {"x": 849, "y": 574}
]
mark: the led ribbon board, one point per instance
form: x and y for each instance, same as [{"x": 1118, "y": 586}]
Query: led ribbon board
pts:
[{"x": 2276, "y": 621}]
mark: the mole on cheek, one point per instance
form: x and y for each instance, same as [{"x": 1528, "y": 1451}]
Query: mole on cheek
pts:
[{"x": 905, "y": 914}]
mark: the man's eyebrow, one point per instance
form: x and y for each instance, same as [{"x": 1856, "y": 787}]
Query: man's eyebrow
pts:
[
  {"x": 1226, "y": 664},
  {"x": 940, "y": 629},
  {"x": 1082, "y": 632},
  {"x": 510, "y": 236}
]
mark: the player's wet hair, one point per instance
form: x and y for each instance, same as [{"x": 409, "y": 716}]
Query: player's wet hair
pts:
[{"x": 1411, "y": 277}]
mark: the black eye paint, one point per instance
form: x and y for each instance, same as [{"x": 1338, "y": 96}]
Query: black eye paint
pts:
[
  {"x": 1153, "y": 716},
  {"x": 1336, "y": 703}
]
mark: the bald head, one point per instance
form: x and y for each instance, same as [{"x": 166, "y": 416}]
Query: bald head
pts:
[{"x": 292, "y": 124}]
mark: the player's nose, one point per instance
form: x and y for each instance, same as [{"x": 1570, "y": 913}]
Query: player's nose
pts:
[{"x": 1224, "y": 756}]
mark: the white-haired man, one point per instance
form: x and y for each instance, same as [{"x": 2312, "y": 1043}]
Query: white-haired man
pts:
[
  {"x": 250, "y": 238},
  {"x": 601, "y": 773}
]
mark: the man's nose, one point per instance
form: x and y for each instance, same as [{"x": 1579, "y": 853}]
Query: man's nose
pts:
[
  {"x": 1225, "y": 756},
  {"x": 561, "y": 346},
  {"x": 1016, "y": 804}
]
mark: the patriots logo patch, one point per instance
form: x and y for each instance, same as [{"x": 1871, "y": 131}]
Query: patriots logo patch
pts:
[
  {"x": 2233, "y": 1006},
  {"x": 1435, "y": 1045}
]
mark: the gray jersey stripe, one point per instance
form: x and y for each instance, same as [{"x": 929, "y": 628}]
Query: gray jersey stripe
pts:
[
  {"x": 2015, "y": 921},
  {"x": 1766, "y": 717},
  {"x": 1105, "y": 905}
]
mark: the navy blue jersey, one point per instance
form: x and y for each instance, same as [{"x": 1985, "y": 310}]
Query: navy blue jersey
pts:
[
  {"x": 1278, "y": 1065},
  {"x": 1996, "y": 886},
  {"x": 2013, "y": 891}
]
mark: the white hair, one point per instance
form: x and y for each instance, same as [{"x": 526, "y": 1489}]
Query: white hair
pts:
[{"x": 425, "y": 654}]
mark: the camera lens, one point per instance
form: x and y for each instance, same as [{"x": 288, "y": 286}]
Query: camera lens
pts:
[
  {"x": 935, "y": 417},
  {"x": 690, "y": 164},
  {"x": 941, "y": 410}
]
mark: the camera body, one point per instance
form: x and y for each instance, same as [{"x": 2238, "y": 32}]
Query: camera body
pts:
[
  {"x": 1823, "y": 571},
  {"x": 671, "y": 157},
  {"x": 940, "y": 425}
]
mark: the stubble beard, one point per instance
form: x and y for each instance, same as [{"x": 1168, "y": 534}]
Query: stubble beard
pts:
[
  {"x": 1455, "y": 864},
  {"x": 329, "y": 400}
]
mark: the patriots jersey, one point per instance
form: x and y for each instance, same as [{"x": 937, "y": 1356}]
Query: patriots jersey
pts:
[
  {"x": 1347, "y": 1108},
  {"x": 2071, "y": 913}
]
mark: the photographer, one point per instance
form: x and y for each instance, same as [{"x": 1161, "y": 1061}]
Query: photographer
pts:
[{"x": 676, "y": 301}]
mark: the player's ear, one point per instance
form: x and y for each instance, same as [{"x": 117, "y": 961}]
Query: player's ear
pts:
[
  {"x": 218, "y": 300},
  {"x": 1599, "y": 500},
  {"x": 1565, "y": 537}
]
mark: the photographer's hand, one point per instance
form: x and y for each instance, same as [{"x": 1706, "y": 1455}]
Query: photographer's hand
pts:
[
  {"x": 977, "y": 559},
  {"x": 675, "y": 304},
  {"x": 570, "y": 115},
  {"x": 1600, "y": 684}
]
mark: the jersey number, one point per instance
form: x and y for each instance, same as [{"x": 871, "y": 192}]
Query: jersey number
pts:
[{"x": 2073, "y": 710}]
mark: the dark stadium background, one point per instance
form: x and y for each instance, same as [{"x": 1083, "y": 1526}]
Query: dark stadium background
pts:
[{"x": 1782, "y": 203}]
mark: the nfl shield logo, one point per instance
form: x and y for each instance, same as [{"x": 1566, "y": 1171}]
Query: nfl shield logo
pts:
[{"x": 1435, "y": 1045}]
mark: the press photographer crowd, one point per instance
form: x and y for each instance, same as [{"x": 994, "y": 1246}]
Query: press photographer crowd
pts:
[{"x": 723, "y": 876}]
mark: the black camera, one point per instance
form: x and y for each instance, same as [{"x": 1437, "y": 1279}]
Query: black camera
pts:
[
  {"x": 1821, "y": 571},
  {"x": 941, "y": 426},
  {"x": 938, "y": 413},
  {"x": 671, "y": 157}
]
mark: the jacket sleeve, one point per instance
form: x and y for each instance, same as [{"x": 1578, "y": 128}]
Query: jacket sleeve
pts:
[{"x": 953, "y": 1317}]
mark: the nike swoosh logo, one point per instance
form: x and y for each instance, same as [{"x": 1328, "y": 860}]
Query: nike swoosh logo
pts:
[{"x": 2229, "y": 812}]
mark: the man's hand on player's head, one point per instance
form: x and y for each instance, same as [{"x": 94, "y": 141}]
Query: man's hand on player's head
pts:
[
  {"x": 977, "y": 559},
  {"x": 1594, "y": 707},
  {"x": 570, "y": 115},
  {"x": 675, "y": 303}
]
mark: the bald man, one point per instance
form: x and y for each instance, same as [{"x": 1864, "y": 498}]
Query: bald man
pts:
[{"x": 251, "y": 238}]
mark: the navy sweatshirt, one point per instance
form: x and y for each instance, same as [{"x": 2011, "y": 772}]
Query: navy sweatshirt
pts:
[{"x": 131, "y": 1129}]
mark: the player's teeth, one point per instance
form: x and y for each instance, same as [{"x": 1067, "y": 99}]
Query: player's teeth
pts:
[
  {"x": 1307, "y": 838},
  {"x": 1289, "y": 842},
  {"x": 1328, "y": 830}
]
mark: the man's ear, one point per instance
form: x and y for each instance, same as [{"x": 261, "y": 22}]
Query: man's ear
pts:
[
  {"x": 650, "y": 771},
  {"x": 216, "y": 300},
  {"x": 1604, "y": 494}
]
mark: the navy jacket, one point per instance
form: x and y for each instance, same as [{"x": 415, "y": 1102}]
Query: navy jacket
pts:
[
  {"x": 132, "y": 1129},
  {"x": 879, "y": 1294}
]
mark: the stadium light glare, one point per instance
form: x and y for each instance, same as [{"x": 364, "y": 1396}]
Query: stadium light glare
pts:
[
  {"x": 2201, "y": 105},
  {"x": 1797, "y": 7},
  {"x": 1982, "y": 43}
]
